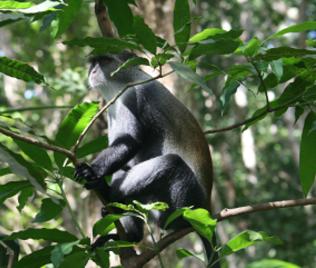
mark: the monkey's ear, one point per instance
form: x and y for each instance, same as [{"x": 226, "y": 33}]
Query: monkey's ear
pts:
[{"x": 126, "y": 55}]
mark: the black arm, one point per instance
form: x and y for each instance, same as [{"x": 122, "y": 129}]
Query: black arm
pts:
[{"x": 115, "y": 156}]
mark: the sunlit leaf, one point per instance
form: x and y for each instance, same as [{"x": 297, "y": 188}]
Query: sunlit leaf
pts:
[
  {"x": 215, "y": 33},
  {"x": 8, "y": 5},
  {"x": 308, "y": 154},
  {"x": 29, "y": 8},
  {"x": 246, "y": 239},
  {"x": 72, "y": 126},
  {"x": 106, "y": 224},
  {"x": 161, "y": 206},
  {"x": 201, "y": 221},
  {"x": 20, "y": 70},
  {"x": 251, "y": 48},
  {"x": 300, "y": 27}
]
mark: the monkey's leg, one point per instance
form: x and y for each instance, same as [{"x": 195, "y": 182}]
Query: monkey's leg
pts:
[{"x": 165, "y": 178}]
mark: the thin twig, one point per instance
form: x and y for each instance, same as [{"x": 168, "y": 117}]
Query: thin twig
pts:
[
  {"x": 265, "y": 89},
  {"x": 72, "y": 215}
]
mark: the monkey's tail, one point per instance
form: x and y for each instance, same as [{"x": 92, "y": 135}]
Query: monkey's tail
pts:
[{"x": 212, "y": 256}]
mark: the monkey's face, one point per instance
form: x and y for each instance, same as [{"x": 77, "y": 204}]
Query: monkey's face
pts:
[{"x": 101, "y": 68}]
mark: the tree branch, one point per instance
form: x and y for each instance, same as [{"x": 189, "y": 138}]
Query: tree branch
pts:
[
  {"x": 147, "y": 255},
  {"x": 36, "y": 108},
  {"x": 233, "y": 212},
  {"x": 36, "y": 142}
]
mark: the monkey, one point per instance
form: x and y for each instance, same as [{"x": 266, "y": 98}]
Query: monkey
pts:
[{"x": 157, "y": 150}]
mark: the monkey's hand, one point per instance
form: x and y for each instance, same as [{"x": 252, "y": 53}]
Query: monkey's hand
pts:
[{"x": 84, "y": 171}]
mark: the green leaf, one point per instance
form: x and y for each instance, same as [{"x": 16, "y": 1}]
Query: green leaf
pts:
[
  {"x": 79, "y": 258},
  {"x": 60, "y": 251},
  {"x": 201, "y": 221},
  {"x": 45, "y": 6},
  {"x": 184, "y": 253},
  {"x": 24, "y": 196},
  {"x": 146, "y": 208},
  {"x": 277, "y": 68},
  {"x": 20, "y": 70},
  {"x": 251, "y": 48},
  {"x": 218, "y": 47},
  {"x": 117, "y": 10},
  {"x": 102, "y": 258},
  {"x": 72, "y": 126},
  {"x": 188, "y": 74},
  {"x": 182, "y": 23},
  {"x": 102, "y": 44},
  {"x": 8, "y": 5},
  {"x": 246, "y": 239},
  {"x": 12, "y": 188},
  {"x": 53, "y": 235},
  {"x": 36, "y": 153},
  {"x": 145, "y": 35},
  {"x": 112, "y": 245},
  {"x": 129, "y": 63},
  {"x": 215, "y": 34},
  {"x": 300, "y": 27},
  {"x": 5, "y": 171},
  {"x": 67, "y": 15},
  {"x": 49, "y": 210},
  {"x": 7, "y": 18},
  {"x": 272, "y": 263},
  {"x": 284, "y": 52},
  {"x": 106, "y": 224},
  {"x": 308, "y": 154},
  {"x": 93, "y": 146},
  {"x": 23, "y": 168},
  {"x": 36, "y": 259},
  {"x": 174, "y": 215},
  {"x": 229, "y": 90}
]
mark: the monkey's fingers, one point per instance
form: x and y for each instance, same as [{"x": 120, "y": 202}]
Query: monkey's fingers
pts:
[{"x": 84, "y": 171}]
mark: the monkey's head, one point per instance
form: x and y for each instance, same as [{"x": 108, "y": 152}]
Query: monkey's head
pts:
[{"x": 102, "y": 67}]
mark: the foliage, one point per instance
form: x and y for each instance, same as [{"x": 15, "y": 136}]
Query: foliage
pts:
[{"x": 268, "y": 62}]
